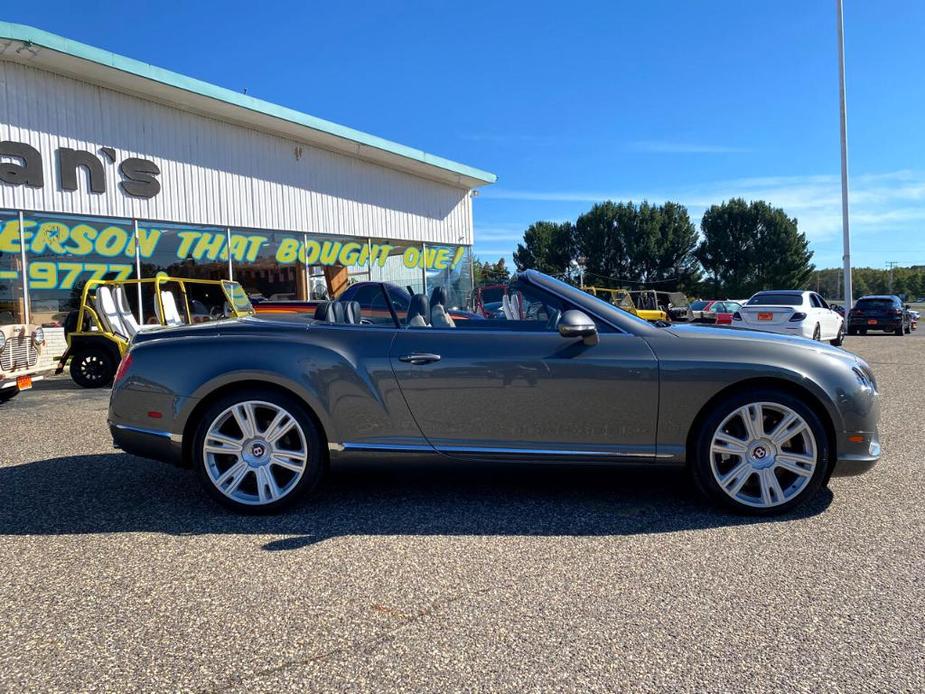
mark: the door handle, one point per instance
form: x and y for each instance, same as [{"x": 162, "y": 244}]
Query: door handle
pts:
[{"x": 418, "y": 358}]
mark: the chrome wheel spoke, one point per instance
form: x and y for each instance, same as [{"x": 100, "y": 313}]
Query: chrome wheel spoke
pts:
[
  {"x": 751, "y": 419},
  {"x": 267, "y": 488},
  {"x": 728, "y": 444},
  {"x": 216, "y": 442},
  {"x": 244, "y": 415},
  {"x": 288, "y": 460},
  {"x": 280, "y": 426},
  {"x": 771, "y": 493},
  {"x": 231, "y": 478},
  {"x": 736, "y": 479},
  {"x": 796, "y": 463}
]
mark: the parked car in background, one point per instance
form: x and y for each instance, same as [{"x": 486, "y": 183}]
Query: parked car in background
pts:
[
  {"x": 914, "y": 317},
  {"x": 792, "y": 312},
  {"x": 720, "y": 312},
  {"x": 569, "y": 378},
  {"x": 698, "y": 307},
  {"x": 885, "y": 313},
  {"x": 21, "y": 348}
]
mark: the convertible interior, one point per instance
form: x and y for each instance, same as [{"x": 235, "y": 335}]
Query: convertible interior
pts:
[{"x": 520, "y": 312}]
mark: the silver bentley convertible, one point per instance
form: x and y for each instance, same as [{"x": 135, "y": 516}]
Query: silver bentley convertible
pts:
[{"x": 260, "y": 408}]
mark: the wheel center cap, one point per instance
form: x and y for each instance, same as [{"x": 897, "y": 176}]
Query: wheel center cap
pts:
[
  {"x": 761, "y": 454},
  {"x": 256, "y": 452}
]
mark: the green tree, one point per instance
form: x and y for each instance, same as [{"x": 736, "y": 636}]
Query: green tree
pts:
[
  {"x": 547, "y": 247},
  {"x": 490, "y": 273},
  {"x": 628, "y": 243},
  {"x": 747, "y": 247}
]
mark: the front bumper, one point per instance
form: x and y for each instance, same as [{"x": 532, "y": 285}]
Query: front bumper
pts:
[{"x": 855, "y": 457}]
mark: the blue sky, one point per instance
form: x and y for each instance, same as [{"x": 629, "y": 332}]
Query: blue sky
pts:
[{"x": 570, "y": 103}]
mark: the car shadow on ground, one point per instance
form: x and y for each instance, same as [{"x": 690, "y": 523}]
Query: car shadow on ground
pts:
[{"x": 116, "y": 493}]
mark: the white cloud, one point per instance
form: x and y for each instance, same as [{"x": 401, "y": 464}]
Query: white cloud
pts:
[{"x": 877, "y": 201}]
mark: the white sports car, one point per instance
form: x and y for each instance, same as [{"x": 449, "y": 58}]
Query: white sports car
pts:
[{"x": 792, "y": 312}]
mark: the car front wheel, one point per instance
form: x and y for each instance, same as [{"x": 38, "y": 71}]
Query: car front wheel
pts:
[
  {"x": 762, "y": 452},
  {"x": 257, "y": 451}
]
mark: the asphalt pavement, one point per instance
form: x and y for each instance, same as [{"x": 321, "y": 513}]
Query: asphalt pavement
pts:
[{"x": 117, "y": 573}]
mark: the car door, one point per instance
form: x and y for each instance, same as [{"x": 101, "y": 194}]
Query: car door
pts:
[
  {"x": 824, "y": 317},
  {"x": 832, "y": 316},
  {"x": 514, "y": 388}
]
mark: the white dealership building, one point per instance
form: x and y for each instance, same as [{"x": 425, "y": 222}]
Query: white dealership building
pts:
[{"x": 114, "y": 168}]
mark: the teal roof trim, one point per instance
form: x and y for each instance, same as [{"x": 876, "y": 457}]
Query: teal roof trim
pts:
[{"x": 27, "y": 34}]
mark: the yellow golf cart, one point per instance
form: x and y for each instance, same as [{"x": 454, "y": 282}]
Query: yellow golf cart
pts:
[
  {"x": 99, "y": 332},
  {"x": 622, "y": 298}
]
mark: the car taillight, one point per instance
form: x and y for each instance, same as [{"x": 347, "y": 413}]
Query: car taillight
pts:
[
  {"x": 797, "y": 317},
  {"x": 736, "y": 316},
  {"x": 123, "y": 367}
]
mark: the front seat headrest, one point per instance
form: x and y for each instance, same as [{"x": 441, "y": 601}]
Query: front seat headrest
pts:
[
  {"x": 438, "y": 296},
  {"x": 418, "y": 311},
  {"x": 352, "y": 312},
  {"x": 324, "y": 311}
]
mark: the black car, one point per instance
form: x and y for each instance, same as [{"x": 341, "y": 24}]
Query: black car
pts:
[{"x": 886, "y": 313}]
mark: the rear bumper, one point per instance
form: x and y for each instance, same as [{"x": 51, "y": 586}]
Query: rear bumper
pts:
[
  {"x": 148, "y": 443},
  {"x": 882, "y": 324}
]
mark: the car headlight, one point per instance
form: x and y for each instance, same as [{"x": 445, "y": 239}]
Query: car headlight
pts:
[
  {"x": 38, "y": 337},
  {"x": 2, "y": 341},
  {"x": 865, "y": 378}
]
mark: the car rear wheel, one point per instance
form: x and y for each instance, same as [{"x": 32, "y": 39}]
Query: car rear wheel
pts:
[
  {"x": 761, "y": 453},
  {"x": 257, "y": 451},
  {"x": 92, "y": 368},
  {"x": 839, "y": 337},
  {"x": 900, "y": 331},
  {"x": 817, "y": 333}
]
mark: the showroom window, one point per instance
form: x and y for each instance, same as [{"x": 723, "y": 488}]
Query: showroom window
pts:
[
  {"x": 269, "y": 265},
  {"x": 450, "y": 267},
  {"x": 65, "y": 251},
  {"x": 12, "y": 301},
  {"x": 400, "y": 263}
]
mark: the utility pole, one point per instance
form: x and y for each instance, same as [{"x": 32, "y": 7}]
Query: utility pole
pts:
[
  {"x": 891, "y": 264},
  {"x": 846, "y": 236}
]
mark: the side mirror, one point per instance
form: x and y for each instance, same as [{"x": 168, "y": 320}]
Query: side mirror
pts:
[{"x": 576, "y": 324}]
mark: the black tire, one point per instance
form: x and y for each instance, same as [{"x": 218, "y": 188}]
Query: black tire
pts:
[
  {"x": 92, "y": 368},
  {"x": 909, "y": 329},
  {"x": 316, "y": 465},
  {"x": 839, "y": 338},
  {"x": 817, "y": 333},
  {"x": 863, "y": 331},
  {"x": 900, "y": 331},
  {"x": 8, "y": 394},
  {"x": 852, "y": 331},
  {"x": 700, "y": 465}
]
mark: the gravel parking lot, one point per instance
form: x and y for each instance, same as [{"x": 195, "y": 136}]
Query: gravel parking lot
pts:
[{"x": 117, "y": 573}]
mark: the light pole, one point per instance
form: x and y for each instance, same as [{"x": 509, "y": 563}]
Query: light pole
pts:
[{"x": 846, "y": 235}]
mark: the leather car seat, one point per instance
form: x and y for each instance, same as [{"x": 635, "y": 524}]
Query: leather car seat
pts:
[
  {"x": 353, "y": 312},
  {"x": 107, "y": 313},
  {"x": 418, "y": 310}
]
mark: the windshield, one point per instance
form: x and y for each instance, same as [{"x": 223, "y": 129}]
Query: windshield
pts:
[
  {"x": 602, "y": 307},
  {"x": 237, "y": 297},
  {"x": 875, "y": 304},
  {"x": 776, "y": 299}
]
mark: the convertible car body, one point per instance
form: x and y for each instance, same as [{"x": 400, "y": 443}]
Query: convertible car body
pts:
[{"x": 260, "y": 406}]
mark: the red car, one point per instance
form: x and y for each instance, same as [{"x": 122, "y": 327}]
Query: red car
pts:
[{"x": 719, "y": 312}]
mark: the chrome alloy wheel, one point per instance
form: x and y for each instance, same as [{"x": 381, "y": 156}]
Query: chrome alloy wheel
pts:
[
  {"x": 255, "y": 452},
  {"x": 763, "y": 454}
]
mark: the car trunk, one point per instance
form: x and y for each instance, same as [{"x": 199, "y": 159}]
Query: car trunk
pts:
[{"x": 766, "y": 315}]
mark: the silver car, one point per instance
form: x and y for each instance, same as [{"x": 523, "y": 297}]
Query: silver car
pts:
[{"x": 260, "y": 407}]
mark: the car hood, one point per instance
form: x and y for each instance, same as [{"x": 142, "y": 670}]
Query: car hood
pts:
[{"x": 704, "y": 332}]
